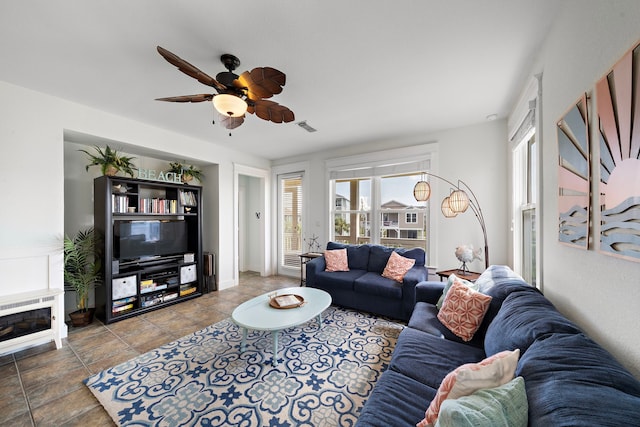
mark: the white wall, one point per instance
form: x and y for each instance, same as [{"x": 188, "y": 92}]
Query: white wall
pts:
[
  {"x": 32, "y": 134},
  {"x": 599, "y": 292},
  {"x": 475, "y": 154}
]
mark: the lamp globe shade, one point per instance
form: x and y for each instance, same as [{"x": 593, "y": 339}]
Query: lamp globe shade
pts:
[
  {"x": 446, "y": 210},
  {"x": 458, "y": 201},
  {"x": 422, "y": 191}
]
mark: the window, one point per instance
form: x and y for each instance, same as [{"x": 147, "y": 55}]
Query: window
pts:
[
  {"x": 523, "y": 136},
  {"x": 372, "y": 193},
  {"x": 382, "y": 203},
  {"x": 351, "y": 217}
]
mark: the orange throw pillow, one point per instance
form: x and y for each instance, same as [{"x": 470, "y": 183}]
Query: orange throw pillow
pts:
[
  {"x": 336, "y": 260},
  {"x": 397, "y": 267},
  {"x": 463, "y": 310}
]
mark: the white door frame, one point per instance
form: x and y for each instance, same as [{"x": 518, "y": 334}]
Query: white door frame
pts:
[
  {"x": 291, "y": 168},
  {"x": 264, "y": 238}
]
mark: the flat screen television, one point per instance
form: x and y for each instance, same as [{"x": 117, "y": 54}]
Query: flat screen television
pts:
[{"x": 139, "y": 240}]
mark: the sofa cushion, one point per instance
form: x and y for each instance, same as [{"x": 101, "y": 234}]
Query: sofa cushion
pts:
[
  {"x": 336, "y": 260},
  {"x": 337, "y": 279},
  {"x": 393, "y": 401},
  {"x": 397, "y": 266},
  {"x": 378, "y": 257},
  {"x": 375, "y": 284},
  {"x": 524, "y": 317},
  {"x": 463, "y": 310},
  {"x": 425, "y": 318},
  {"x": 503, "y": 406},
  {"x": 414, "y": 253},
  {"x": 491, "y": 372},
  {"x": 428, "y": 359},
  {"x": 358, "y": 255},
  {"x": 496, "y": 274},
  {"x": 571, "y": 380}
]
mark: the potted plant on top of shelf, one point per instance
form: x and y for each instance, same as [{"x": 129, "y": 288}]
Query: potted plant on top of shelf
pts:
[
  {"x": 81, "y": 272},
  {"x": 110, "y": 161},
  {"x": 188, "y": 172}
]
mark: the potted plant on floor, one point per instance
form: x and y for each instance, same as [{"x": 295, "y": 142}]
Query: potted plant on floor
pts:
[
  {"x": 188, "y": 172},
  {"x": 81, "y": 272},
  {"x": 110, "y": 161}
]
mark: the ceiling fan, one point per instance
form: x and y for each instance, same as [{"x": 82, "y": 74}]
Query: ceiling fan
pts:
[{"x": 236, "y": 94}]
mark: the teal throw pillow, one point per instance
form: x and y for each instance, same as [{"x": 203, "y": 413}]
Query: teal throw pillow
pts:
[
  {"x": 495, "y": 407},
  {"x": 450, "y": 281}
]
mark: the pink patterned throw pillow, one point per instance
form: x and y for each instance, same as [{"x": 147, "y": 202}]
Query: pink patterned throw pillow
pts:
[
  {"x": 336, "y": 260},
  {"x": 463, "y": 310},
  {"x": 397, "y": 267},
  {"x": 492, "y": 372}
]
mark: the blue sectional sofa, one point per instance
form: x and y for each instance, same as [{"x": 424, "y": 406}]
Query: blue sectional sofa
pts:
[
  {"x": 363, "y": 287},
  {"x": 569, "y": 379}
]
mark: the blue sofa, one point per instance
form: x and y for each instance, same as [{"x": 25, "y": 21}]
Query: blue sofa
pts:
[
  {"x": 363, "y": 287},
  {"x": 570, "y": 380}
]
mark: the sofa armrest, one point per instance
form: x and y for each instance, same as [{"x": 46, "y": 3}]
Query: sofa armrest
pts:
[
  {"x": 415, "y": 275},
  {"x": 314, "y": 266},
  {"x": 429, "y": 292}
]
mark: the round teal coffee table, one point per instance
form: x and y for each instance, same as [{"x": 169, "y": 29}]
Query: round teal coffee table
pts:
[{"x": 258, "y": 314}]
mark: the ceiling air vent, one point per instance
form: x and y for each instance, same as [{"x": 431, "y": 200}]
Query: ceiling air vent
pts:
[{"x": 305, "y": 126}]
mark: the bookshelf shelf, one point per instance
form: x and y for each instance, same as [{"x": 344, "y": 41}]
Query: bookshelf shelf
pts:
[{"x": 146, "y": 229}]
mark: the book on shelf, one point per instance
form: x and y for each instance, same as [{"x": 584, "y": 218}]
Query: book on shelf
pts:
[
  {"x": 121, "y": 308},
  {"x": 151, "y": 300},
  {"x": 119, "y": 203},
  {"x": 188, "y": 198},
  {"x": 124, "y": 301},
  {"x": 169, "y": 297},
  {"x": 150, "y": 286},
  {"x": 155, "y": 205},
  {"x": 187, "y": 290}
]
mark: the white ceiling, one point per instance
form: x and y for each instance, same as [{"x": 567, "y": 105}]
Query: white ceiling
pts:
[{"x": 357, "y": 70}]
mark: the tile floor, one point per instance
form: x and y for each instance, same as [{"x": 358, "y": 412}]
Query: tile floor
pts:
[{"x": 42, "y": 386}]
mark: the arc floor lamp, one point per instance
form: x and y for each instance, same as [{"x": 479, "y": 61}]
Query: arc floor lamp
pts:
[{"x": 458, "y": 201}]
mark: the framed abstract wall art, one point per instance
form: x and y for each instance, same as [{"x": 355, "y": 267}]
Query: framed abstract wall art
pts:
[
  {"x": 618, "y": 105},
  {"x": 574, "y": 174}
]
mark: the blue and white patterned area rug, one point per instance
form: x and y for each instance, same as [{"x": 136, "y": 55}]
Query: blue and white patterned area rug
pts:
[{"x": 323, "y": 377}]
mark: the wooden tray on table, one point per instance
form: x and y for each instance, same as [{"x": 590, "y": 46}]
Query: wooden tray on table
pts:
[{"x": 286, "y": 301}]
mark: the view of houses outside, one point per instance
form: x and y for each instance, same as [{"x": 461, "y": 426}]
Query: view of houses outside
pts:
[
  {"x": 402, "y": 222},
  {"x": 398, "y": 221}
]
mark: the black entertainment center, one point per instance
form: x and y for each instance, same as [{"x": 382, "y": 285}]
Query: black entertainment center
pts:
[{"x": 151, "y": 245}]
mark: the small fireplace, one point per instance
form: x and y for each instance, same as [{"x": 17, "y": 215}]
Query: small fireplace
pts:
[
  {"x": 29, "y": 319},
  {"x": 24, "y": 323}
]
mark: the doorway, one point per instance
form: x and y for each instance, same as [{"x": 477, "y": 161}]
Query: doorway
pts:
[{"x": 251, "y": 221}]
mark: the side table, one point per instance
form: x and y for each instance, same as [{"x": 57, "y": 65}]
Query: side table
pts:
[
  {"x": 305, "y": 258},
  {"x": 471, "y": 276}
]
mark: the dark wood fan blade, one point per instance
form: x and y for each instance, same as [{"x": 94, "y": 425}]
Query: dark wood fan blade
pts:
[
  {"x": 262, "y": 82},
  {"x": 230, "y": 122},
  {"x": 271, "y": 111},
  {"x": 189, "y": 69},
  {"x": 188, "y": 98}
]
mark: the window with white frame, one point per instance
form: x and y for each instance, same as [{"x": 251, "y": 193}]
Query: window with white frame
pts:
[
  {"x": 525, "y": 220},
  {"x": 371, "y": 198}
]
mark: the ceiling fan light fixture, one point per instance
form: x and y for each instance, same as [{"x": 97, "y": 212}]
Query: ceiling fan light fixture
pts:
[{"x": 230, "y": 105}]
